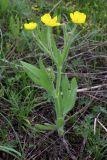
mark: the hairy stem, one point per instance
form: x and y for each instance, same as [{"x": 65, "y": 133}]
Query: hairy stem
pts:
[{"x": 58, "y": 105}]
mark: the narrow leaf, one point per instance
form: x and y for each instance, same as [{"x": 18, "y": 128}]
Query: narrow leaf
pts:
[
  {"x": 39, "y": 76},
  {"x": 69, "y": 102},
  {"x": 11, "y": 151},
  {"x": 45, "y": 126}
]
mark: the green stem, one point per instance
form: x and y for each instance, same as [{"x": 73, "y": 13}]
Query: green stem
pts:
[
  {"x": 58, "y": 79},
  {"x": 58, "y": 90},
  {"x": 58, "y": 105}
]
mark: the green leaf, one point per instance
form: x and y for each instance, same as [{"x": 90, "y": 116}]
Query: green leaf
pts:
[
  {"x": 11, "y": 151},
  {"x": 39, "y": 76},
  {"x": 52, "y": 47},
  {"x": 45, "y": 79},
  {"x": 45, "y": 126},
  {"x": 41, "y": 37},
  {"x": 69, "y": 38},
  {"x": 46, "y": 41},
  {"x": 65, "y": 87},
  {"x": 69, "y": 95},
  {"x": 32, "y": 71}
]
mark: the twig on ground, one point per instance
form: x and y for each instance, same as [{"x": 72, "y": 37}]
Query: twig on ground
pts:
[
  {"x": 91, "y": 88},
  {"x": 95, "y": 123}
]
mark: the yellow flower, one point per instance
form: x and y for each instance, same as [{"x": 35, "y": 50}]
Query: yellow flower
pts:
[
  {"x": 78, "y": 17},
  {"x": 49, "y": 21},
  {"x": 30, "y": 26}
]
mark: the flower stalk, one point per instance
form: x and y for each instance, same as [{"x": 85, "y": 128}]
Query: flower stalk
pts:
[{"x": 58, "y": 105}]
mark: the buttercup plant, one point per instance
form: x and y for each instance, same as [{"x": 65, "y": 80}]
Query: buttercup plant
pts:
[{"x": 60, "y": 88}]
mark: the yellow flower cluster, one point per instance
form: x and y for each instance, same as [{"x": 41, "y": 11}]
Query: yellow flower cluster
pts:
[{"x": 76, "y": 17}]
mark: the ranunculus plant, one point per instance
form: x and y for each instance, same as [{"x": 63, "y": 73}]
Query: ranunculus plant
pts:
[{"x": 62, "y": 90}]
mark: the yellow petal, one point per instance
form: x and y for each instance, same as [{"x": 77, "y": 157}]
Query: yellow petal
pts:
[
  {"x": 46, "y": 17},
  {"x": 55, "y": 18}
]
